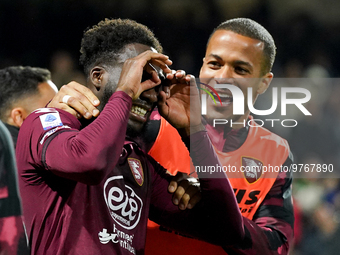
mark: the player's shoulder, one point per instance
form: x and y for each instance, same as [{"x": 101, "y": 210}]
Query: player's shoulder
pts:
[
  {"x": 48, "y": 118},
  {"x": 45, "y": 121},
  {"x": 45, "y": 111}
]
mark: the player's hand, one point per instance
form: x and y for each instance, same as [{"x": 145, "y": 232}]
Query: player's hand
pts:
[
  {"x": 186, "y": 191},
  {"x": 81, "y": 102},
  {"x": 131, "y": 76},
  {"x": 179, "y": 104}
]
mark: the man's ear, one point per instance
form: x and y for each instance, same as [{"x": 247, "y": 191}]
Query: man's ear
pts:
[
  {"x": 265, "y": 82},
  {"x": 17, "y": 116},
  {"x": 97, "y": 77}
]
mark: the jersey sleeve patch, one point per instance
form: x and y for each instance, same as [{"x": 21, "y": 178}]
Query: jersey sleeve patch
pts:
[{"x": 50, "y": 120}]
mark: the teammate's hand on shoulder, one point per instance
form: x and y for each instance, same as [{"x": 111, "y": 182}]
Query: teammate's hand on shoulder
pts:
[
  {"x": 77, "y": 100},
  {"x": 186, "y": 191}
]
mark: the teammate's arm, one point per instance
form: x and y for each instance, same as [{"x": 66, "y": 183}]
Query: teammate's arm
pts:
[
  {"x": 217, "y": 210},
  {"x": 271, "y": 230}
]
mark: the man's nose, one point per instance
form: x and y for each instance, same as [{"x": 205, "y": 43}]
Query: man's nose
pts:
[
  {"x": 224, "y": 75},
  {"x": 150, "y": 95}
]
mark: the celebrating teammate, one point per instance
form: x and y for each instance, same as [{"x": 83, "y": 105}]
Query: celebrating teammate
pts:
[
  {"x": 90, "y": 190},
  {"x": 239, "y": 52},
  {"x": 23, "y": 89}
]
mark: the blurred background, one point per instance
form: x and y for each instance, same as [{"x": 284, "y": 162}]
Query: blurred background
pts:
[{"x": 47, "y": 33}]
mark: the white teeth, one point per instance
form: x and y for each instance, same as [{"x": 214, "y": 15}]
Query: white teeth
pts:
[
  {"x": 224, "y": 95},
  {"x": 138, "y": 110}
]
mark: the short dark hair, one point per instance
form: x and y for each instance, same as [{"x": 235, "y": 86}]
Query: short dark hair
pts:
[
  {"x": 19, "y": 82},
  {"x": 252, "y": 29},
  {"x": 102, "y": 42}
]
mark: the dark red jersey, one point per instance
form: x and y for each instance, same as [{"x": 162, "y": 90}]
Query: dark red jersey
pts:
[
  {"x": 12, "y": 233},
  {"x": 90, "y": 191}
]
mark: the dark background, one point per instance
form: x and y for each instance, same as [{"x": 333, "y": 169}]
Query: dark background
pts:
[
  {"x": 305, "y": 32},
  {"x": 47, "y": 33}
]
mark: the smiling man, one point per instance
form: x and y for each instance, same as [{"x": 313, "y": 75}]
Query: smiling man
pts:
[
  {"x": 236, "y": 59},
  {"x": 90, "y": 190},
  {"x": 239, "y": 52}
]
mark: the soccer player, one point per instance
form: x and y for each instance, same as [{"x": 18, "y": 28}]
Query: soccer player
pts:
[
  {"x": 12, "y": 234},
  {"x": 90, "y": 190},
  {"x": 23, "y": 89},
  {"x": 239, "y": 52}
]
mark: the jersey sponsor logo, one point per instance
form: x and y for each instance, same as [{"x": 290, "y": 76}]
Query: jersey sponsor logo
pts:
[
  {"x": 252, "y": 169},
  {"x": 137, "y": 170},
  {"x": 118, "y": 236},
  {"x": 246, "y": 199},
  {"x": 125, "y": 207},
  {"x": 50, "y": 120},
  {"x": 105, "y": 237},
  {"x": 49, "y": 133}
]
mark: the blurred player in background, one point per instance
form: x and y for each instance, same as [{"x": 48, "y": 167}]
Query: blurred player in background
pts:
[{"x": 23, "y": 89}]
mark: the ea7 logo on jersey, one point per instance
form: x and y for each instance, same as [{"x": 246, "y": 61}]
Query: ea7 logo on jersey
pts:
[
  {"x": 252, "y": 169},
  {"x": 124, "y": 205},
  {"x": 137, "y": 170}
]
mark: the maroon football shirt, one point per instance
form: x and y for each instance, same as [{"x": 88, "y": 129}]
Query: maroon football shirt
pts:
[{"x": 89, "y": 191}]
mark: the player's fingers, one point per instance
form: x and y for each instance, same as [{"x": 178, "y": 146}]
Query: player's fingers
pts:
[
  {"x": 172, "y": 186},
  {"x": 179, "y": 193},
  {"x": 180, "y": 74},
  {"x": 191, "y": 190},
  {"x": 85, "y": 102},
  {"x": 194, "y": 200},
  {"x": 68, "y": 109},
  {"x": 177, "y": 77},
  {"x": 86, "y": 92},
  {"x": 148, "y": 84},
  {"x": 76, "y": 99},
  {"x": 85, "y": 111},
  {"x": 166, "y": 90},
  {"x": 171, "y": 75},
  {"x": 153, "y": 57},
  {"x": 182, "y": 77},
  {"x": 163, "y": 109},
  {"x": 176, "y": 180},
  {"x": 164, "y": 65},
  {"x": 184, "y": 201},
  {"x": 191, "y": 80}
]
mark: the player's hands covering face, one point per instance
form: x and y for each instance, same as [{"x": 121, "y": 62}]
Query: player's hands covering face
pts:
[{"x": 179, "y": 104}]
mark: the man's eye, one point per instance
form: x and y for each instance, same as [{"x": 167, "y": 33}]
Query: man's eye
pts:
[
  {"x": 241, "y": 70},
  {"x": 214, "y": 64}
]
